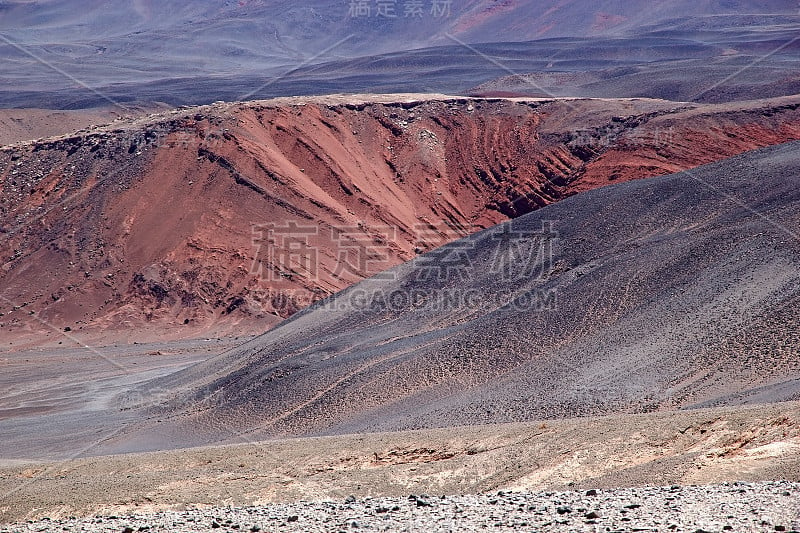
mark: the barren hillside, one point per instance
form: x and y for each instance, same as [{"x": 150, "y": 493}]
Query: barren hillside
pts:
[{"x": 189, "y": 221}]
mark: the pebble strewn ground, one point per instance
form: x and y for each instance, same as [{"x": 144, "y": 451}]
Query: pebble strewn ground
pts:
[{"x": 770, "y": 506}]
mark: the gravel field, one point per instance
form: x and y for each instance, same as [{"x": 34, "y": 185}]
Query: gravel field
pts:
[{"x": 739, "y": 506}]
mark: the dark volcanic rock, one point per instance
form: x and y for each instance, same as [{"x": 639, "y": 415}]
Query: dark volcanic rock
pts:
[{"x": 608, "y": 301}]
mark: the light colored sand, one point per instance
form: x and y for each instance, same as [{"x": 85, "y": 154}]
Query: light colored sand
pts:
[{"x": 689, "y": 447}]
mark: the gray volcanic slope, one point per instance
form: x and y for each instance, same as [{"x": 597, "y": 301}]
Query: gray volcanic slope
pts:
[{"x": 675, "y": 291}]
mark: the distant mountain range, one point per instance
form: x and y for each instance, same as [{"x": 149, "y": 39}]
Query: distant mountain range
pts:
[{"x": 63, "y": 54}]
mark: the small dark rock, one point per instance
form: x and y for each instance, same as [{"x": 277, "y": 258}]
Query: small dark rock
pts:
[
  {"x": 592, "y": 515},
  {"x": 563, "y": 509},
  {"x": 293, "y": 518},
  {"x": 350, "y": 499},
  {"x": 591, "y": 492},
  {"x": 215, "y": 525},
  {"x": 127, "y": 530}
]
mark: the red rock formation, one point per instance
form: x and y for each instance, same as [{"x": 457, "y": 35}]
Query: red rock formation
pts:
[{"x": 231, "y": 217}]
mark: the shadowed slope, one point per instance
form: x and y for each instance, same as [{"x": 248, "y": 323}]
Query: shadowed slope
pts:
[{"x": 669, "y": 292}]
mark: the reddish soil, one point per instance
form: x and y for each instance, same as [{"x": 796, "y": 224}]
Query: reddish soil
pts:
[
  {"x": 160, "y": 226},
  {"x": 19, "y": 125}
]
